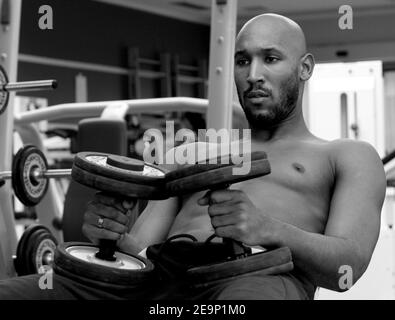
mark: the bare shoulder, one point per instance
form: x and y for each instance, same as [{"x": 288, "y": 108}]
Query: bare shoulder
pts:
[
  {"x": 347, "y": 151},
  {"x": 344, "y": 146},
  {"x": 357, "y": 161},
  {"x": 348, "y": 157}
]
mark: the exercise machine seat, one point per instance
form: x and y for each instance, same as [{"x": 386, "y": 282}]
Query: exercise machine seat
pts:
[{"x": 98, "y": 135}]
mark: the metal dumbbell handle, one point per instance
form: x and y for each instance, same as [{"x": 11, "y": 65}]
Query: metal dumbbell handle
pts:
[
  {"x": 29, "y": 85},
  {"x": 37, "y": 174},
  {"x": 107, "y": 250}
]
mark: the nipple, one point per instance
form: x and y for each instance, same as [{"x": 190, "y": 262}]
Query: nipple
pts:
[{"x": 298, "y": 167}]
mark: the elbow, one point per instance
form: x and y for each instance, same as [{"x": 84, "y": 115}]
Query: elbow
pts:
[
  {"x": 343, "y": 276},
  {"x": 348, "y": 274},
  {"x": 352, "y": 268}
]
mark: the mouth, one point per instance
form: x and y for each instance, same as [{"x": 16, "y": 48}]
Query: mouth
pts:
[{"x": 257, "y": 96}]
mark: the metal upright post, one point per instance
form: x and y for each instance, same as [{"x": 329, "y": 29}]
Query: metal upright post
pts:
[
  {"x": 9, "y": 46},
  {"x": 222, "y": 43}
]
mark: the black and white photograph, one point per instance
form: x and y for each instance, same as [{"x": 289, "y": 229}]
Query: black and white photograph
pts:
[{"x": 193, "y": 157}]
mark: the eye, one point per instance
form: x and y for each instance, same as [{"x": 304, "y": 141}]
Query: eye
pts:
[
  {"x": 242, "y": 61},
  {"x": 271, "y": 59}
]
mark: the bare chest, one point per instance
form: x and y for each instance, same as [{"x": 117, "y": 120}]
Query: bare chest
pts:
[{"x": 297, "y": 191}]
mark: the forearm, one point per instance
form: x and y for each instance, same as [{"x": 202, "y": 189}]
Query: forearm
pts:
[
  {"x": 323, "y": 258},
  {"x": 129, "y": 244},
  {"x": 152, "y": 226}
]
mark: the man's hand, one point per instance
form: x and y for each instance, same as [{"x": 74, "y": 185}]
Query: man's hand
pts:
[
  {"x": 115, "y": 215},
  {"x": 234, "y": 216}
]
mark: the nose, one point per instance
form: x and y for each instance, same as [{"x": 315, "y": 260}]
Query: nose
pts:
[{"x": 255, "y": 73}]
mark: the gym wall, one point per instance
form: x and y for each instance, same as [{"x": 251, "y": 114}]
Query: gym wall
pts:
[
  {"x": 99, "y": 33},
  {"x": 371, "y": 38}
]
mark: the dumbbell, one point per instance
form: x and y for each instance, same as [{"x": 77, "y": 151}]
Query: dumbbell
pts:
[
  {"x": 6, "y": 87},
  {"x": 30, "y": 175},
  {"x": 103, "y": 265},
  {"x": 130, "y": 178},
  {"x": 35, "y": 250}
]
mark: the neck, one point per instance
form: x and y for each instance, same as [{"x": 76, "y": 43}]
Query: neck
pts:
[{"x": 292, "y": 127}]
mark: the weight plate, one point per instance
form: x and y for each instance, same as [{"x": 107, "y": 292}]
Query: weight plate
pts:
[
  {"x": 35, "y": 241},
  {"x": 4, "y": 95},
  {"x": 107, "y": 173},
  {"x": 16, "y": 185},
  {"x": 119, "y": 187},
  {"x": 97, "y": 163},
  {"x": 88, "y": 254},
  {"x": 77, "y": 261},
  {"x": 41, "y": 250},
  {"x": 21, "y": 260},
  {"x": 273, "y": 261},
  {"x": 28, "y": 189},
  {"x": 220, "y": 161},
  {"x": 204, "y": 177},
  {"x": 125, "y": 163}
]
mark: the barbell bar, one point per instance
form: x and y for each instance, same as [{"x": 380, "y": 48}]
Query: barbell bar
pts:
[
  {"x": 37, "y": 174},
  {"x": 29, "y": 85},
  {"x": 7, "y": 87}
]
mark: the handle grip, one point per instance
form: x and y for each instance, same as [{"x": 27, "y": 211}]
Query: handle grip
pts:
[
  {"x": 108, "y": 247},
  {"x": 107, "y": 250},
  {"x": 235, "y": 247}
]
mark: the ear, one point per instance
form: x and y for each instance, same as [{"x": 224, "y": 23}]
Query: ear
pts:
[{"x": 307, "y": 66}]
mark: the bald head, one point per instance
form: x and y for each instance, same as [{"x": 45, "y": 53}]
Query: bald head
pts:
[
  {"x": 276, "y": 30},
  {"x": 271, "y": 66}
]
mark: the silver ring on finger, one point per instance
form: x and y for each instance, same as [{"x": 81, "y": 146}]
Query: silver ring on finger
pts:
[{"x": 100, "y": 223}]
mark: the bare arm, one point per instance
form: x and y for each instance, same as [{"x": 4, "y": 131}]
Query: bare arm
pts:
[
  {"x": 352, "y": 227},
  {"x": 152, "y": 226},
  {"x": 353, "y": 224}
]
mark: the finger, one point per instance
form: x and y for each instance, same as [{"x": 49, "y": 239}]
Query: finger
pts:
[
  {"x": 86, "y": 231},
  {"x": 225, "y": 195},
  {"x": 224, "y": 220},
  {"x": 129, "y": 203},
  {"x": 107, "y": 212},
  {"x": 215, "y": 196},
  {"x": 92, "y": 232},
  {"x": 107, "y": 224},
  {"x": 205, "y": 200},
  {"x": 225, "y": 232},
  {"x": 110, "y": 200},
  {"x": 220, "y": 209}
]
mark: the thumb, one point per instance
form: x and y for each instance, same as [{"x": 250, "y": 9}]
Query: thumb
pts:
[
  {"x": 128, "y": 203},
  {"x": 205, "y": 200}
]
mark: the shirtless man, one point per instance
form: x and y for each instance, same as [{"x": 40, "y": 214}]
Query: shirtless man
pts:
[{"x": 322, "y": 199}]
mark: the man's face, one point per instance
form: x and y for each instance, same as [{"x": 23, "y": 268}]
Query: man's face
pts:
[{"x": 266, "y": 76}]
